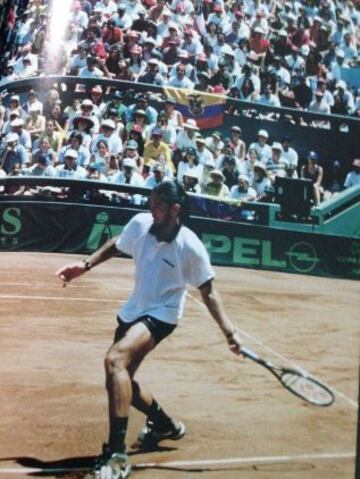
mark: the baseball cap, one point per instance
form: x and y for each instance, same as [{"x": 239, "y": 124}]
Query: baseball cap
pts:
[
  {"x": 263, "y": 133},
  {"x": 313, "y": 155},
  {"x": 71, "y": 154},
  {"x": 277, "y": 146},
  {"x": 10, "y": 137},
  {"x": 132, "y": 145},
  {"x": 157, "y": 132},
  {"x": 129, "y": 163},
  {"x": 108, "y": 124}
]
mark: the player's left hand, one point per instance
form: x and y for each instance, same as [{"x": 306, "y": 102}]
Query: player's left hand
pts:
[{"x": 234, "y": 342}]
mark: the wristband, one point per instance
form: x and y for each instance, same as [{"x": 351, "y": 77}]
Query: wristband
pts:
[{"x": 87, "y": 265}]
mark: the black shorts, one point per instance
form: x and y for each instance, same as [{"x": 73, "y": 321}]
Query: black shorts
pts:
[{"x": 158, "y": 329}]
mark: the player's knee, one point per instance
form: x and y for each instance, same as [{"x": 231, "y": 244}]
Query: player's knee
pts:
[{"x": 116, "y": 361}]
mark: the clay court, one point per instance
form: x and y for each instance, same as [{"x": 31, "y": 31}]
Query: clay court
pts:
[{"x": 240, "y": 422}]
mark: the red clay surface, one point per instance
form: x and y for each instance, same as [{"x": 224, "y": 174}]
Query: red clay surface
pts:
[{"x": 241, "y": 423}]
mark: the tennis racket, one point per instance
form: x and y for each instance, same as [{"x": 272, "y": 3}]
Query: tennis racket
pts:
[{"x": 298, "y": 383}]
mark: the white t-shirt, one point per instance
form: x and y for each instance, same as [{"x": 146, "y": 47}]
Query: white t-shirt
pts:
[{"x": 162, "y": 270}]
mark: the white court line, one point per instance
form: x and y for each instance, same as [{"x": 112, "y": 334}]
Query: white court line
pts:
[
  {"x": 58, "y": 298},
  {"x": 199, "y": 462},
  {"x": 46, "y": 285},
  {"x": 350, "y": 401}
]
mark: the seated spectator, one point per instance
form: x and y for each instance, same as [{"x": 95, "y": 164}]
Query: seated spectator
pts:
[
  {"x": 314, "y": 172},
  {"x": 70, "y": 168},
  {"x": 243, "y": 191},
  {"x": 262, "y": 149},
  {"x": 276, "y": 165},
  {"x": 128, "y": 175},
  {"x": 13, "y": 153},
  {"x": 157, "y": 175},
  {"x": 175, "y": 118},
  {"x": 35, "y": 123},
  {"x": 288, "y": 152},
  {"x": 187, "y": 137},
  {"x": 238, "y": 144},
  {"x": 216, "y": 186},
  {"x": 107, "y": 133},
  {"x": 17, "y": 126},
  {"x": 156, "y": 146},
  {"x": 191, "y": 182},
  {"x": 101, "y": 156},
  {"x": 230, "y": 172},
  {"x": 190, "y": 161},
  {"x": 75, "y": 144},
  {"x": 44, "y": 150},
  {"x": 260, "y": 180},
  {"x": 215, "y": 144},
  {"x": 353, "y": 177},
  {"x": 42, "y": 167}
]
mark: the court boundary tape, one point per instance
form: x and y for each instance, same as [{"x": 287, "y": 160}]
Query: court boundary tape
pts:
[
  {"x": 338, "y": 393},
  {"x": 200, "y": 462}
]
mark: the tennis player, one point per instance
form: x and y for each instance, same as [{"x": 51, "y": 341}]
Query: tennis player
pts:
[{"x": 168, "y": 256}]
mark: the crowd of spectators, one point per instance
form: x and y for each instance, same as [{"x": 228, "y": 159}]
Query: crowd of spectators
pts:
[
  {"x": 102, "y": 137},
  {"x": 273, "y": 52},
  {"x": 268, "y": 52}
]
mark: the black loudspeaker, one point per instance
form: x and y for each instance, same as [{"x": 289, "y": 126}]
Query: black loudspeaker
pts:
[{"x": 295, "y": 196}]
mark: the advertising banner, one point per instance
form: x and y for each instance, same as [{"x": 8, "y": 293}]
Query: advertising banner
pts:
[{"x": 83, "y": 229}]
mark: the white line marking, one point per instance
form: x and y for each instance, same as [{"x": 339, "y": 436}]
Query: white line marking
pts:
[
  {"x": 350, "y": 401},
  {"x": 58, "y": 298},
  {"x": 200, "y": 462},
  {"x": 46, "y": 285}
]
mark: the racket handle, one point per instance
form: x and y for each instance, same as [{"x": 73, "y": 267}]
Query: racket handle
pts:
[{"x": 247, "y": 353}]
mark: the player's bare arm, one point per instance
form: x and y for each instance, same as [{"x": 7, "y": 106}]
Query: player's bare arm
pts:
[
  {"x": 72, "y": 271},
  {"x": 216, "y": 308}
]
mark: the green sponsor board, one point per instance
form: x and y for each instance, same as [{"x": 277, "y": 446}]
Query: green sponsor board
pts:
[{"x": 83, "y": 229}]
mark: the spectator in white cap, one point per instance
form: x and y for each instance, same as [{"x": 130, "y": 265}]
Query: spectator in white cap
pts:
[
  {"x": 157, "y": 175},
  {"x": 343, "y": 100},
  {"x": 276, "y": 165},
  {"x": 319, "y": 105},
  {"x": 203, "y": 153},
  {"x": 337, "y": 66},
  {"x": 191, "y": 182},
  {"x": 216, "y": 186},
  {"x": 108, "y": 133},
  {"x": 17, "y": 126},
  {"x": 70, "y": 168},
  {"x": 13, "y": 153},
  {"x": 128, "y": 175},
  {"x": 187, "y": 137},
  {"x": 260, "y": 180},
  {"x": 263, "y": 150},
  {"x": 243, "y": 191}
]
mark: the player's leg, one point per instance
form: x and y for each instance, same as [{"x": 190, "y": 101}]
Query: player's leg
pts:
[
  {"x": 159, "y": 424},
  {"x": 120, "y": 361},
  {"x": 129, "y": 349}
]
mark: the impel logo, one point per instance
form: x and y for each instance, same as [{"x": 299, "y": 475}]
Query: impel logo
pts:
[
  {"x": 303, "y": 257},
  {"x": 102, "y": 231}
]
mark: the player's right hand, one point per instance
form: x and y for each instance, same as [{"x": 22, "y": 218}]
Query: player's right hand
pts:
[{"x": 70, "y": 271}]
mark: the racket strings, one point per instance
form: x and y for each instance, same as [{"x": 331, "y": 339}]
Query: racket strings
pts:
[{"x": 307, "y": 388}]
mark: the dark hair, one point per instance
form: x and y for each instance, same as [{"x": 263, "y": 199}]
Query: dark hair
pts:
[{"x": 172, "y": 192}]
